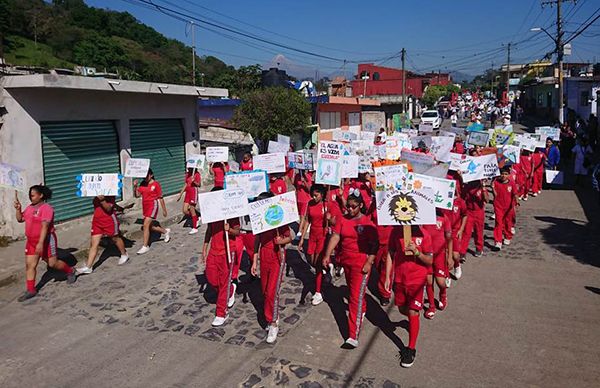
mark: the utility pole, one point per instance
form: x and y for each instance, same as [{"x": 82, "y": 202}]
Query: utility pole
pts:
[
  {"x": 403, "y": 81},
  {"x": 193, "y": 54},
  {"x": 492, "y": 79},
  {"x": 508, "y": 72}
]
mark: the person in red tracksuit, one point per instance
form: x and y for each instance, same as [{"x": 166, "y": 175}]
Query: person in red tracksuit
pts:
[
  {"x": 505, "y": 197},
  {"x": 459, "y": 220},
  {"x": 383, "y": 233},
  {"x": 363, "y": 185},
  {"x": 317, "y": 218},
  {"x": 41, "y": 238},
  {"x": 277, "y": 184},
  {"x": 303, "y": 181},
  {"x": 525, "y": 174},
  {"x": 538, "y": 160},
  {"x": 218, "y": 170},
  {"x": 441, "y": 239},
  {"x": 409, "y": 264},
  {"x": 151, "y": 193},
  {"x": 357, "y": 237},
  {"x": 246, "y": 163},
  {"x": 219, "y": 266},
  {"x": 475, "y": 197},
  {"x": 268, "y": 249},
  {"x": 190, "y": 189}
]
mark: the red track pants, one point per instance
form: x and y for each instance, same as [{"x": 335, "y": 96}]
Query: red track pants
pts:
[
  {"x": 357, "y": 285},
  {"x": 217, "y": 274},
  {"x": 475, "y": 223},
  {"x": 272, "y": 268},
  {"x": 380, "y": 262},
  {"x": 504, "y": 222}
]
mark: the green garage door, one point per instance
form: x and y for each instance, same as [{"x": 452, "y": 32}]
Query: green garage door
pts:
[
  {"x": 162, "y": 142},
  {"x": 71, "y": 148}
]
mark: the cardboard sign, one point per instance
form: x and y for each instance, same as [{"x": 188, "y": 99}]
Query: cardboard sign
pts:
[
  {"x": 12, "y": 177},
  {"x": 252, "y": 182},
  {"x": 479, "y": 167},
  {"x": 271, "y": 163},
  {"x": 283, "y": 139},
  {"x": 222, "y": 205},
  {"x": 91, "y": 185},
  {"x": 478, "y": 138},
  {"x": 137, "y": 168},
  {"x": 546, "y": 132},
  {"x": 443, "y": 189},
  {"x": 350, "y": 166},
  {"x": 393, "y": 177},
  {"x": 345, "y": 136},
  {"x": 512, "y": 153},
  {"x": 302, "y": 160},
  {"x": 196, "y": 161},
  {"x": 217, "y": 154},
  {"x": 271, "y": 213},
  {"x": 441, "y": 147},
  {"x": 425, "y": 128},
  {"x": 414, "y": 207},
  {"x": 555, "y": 177},
  {"x": 276, "y": 147},
  {"x": 329, "y": 163}
]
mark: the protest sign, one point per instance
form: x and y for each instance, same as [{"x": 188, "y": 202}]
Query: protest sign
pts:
[
  {"x": 392, "y": 149},
  {"x": 410, "y": 132},
  {"x": 252, "y": 182},
  {"x": 329, "y": 164},
  {"x": 475, "y": 127},
  {"x": 525, "y": 142},
  {"x": 276, "y": 147},
  {"x": 217, "y": 154},
  {"x": 271, "y": 163},
  {"x": 302, "y": 160},
  {"x": 12, "y": 177},
  {"x": 330, "y": 150},
  {"x": 478, "y": 138},
  {"x": 392, "y": 177},
  {"x": 364, "y": 165},
  {"x": 350, "y": 166},
  {"x": 548, "y": 132},
  {"x": 271, "y": 213},
  {"x": 455, "y": 160},
  {"x": 479, "y": 167},
  {"x": 555, "y": 177},
  {"x": 137, "y": 168},
  {"x": 419, "y": 141},
  {"x": 196, "y": 161},
  {"x": 414, "y": 207},
  {"x": 233, "y": 166},
  {"x": 443, "y": 189},
  {"x": 447, "y": 133},
  {"x": 501, "y": 137},
  {"x": 345, "y": 136},
  {"x": 222, "y": 205},
  {"x": 283, "y": 139},
  {"x": 441, "y": 147},
  {"x": 372, "y": 121},
  {"x": 91, "y": 185},
  {"x": 456, "y": 131},
  {"x": 511, "y": 152},
  {"x": 420, "y": 162},
  {"x": 425, "y": 128},
  {"x": 367, "y": 136}
]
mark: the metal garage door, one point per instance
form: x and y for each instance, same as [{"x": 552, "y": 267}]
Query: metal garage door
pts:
[
  {"x": 73, "y": 147},
  {"x": 162, "y": 142}
]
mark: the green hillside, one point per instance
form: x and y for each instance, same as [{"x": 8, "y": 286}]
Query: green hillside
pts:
[{"x": 24, "y": 52}]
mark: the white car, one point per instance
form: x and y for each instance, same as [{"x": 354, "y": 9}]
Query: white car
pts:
[{"x": 431, "y": 117}]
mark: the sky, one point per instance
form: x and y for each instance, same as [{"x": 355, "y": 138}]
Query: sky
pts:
[{"x": 334, "y": 35}]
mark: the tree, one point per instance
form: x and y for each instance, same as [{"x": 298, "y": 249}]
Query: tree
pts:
[
  {"x": 267, "y": 112},
  {"x": 433, "y": 94}
]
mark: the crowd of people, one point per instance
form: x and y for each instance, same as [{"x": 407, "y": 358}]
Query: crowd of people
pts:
[{"x": 338, "y": 233}]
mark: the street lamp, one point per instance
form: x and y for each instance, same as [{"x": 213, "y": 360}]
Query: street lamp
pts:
[
  {"x": 559, "y": 54},
  {"x": 365, "y": 77}
]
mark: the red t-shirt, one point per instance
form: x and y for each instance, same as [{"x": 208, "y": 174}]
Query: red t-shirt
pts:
[
  {"x": 217, "y": 238},
  {"x": 151, "y": 192},
  {"x": 538, "y": 160},
  {"x": 316, "y": 215},
  {"x": 473, "y": 195},
  {"x": 267, "y": 239},
  {"x": 302, "y": 183},
  {"x": 383, "y": 231},
  {"x": 525, "y": 162},
  {"x": 408, "y": 269},
  {"x": 219, "y": 174},
  {"x": 438, "y": 232},
  {"x": 459, "y": 148},
  {"x": 334, "y": 203},
  {"x": 505, "y": 194},
  {"x": 196, "y": 179},
  {"x": 247, "y": 166},
  {"x": 459, "y": 210},
  {"x": 34, "y": 216},
  {"x": 358, "y": 238},
  {"x": 277, "y": 186},
  {"x": 102, "y": 218}
]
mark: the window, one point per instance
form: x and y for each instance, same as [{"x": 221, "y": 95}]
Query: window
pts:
[
  {"x": 376, "y": 76},
  {"x": 585, "y": 98},
  {"x": 330, "y": 120}
]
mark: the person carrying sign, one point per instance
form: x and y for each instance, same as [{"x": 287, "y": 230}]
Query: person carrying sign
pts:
[
  {"x": 246, "y": 163},
  {"x": 441, "y": 239},
  {"x": 41, "y": 238},
  {"x": 151, "y": 193},
  {"x": 191, "y": 188},
  {"x": 505, "y": 198},
  {"x": 268, "y": 248},
  {"x": 218, "y": 170},
  {"x": 475, "y": 197},
  {"x": 357, "y": 237}
]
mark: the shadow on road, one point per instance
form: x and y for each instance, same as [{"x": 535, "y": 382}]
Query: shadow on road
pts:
[{"x": 595, "y": 290}]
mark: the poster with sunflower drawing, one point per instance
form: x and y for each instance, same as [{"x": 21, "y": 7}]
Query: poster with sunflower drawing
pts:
[{"x": 415, "y": 207}]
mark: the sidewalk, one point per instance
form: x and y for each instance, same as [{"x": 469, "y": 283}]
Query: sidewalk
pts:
[{"x": 74, "y": 239}]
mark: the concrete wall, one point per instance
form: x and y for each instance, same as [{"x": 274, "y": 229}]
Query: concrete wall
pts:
[{"x": 20, "y": 137}]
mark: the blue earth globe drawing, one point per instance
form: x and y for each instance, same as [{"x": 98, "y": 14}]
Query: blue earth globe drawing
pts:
[{"x": 274, "y": 215}]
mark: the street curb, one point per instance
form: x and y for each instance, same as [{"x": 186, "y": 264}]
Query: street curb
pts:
[{"x": 82, "y": 251}]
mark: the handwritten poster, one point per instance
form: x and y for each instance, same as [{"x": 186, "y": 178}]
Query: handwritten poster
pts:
[
  {"x": 443, "y": 189},
  {"x": 350, "y": 166},
  {"x": 511, "y": 152},
  {"x": 414, "y": 207},
  {"x": 283, "y": 139},
  {"x": 271, "y": 213},
  {"x": 479, "y": 167},
  {"x": 271, "y": 163},
  {"x": 392, "y": 177},
  {"x": 329, "y": 163},
  {"x": 222, "y": 205},
  {"x": 441, "y": 147},
  {"x": 196, "y": 161},
  {"x": 425, "y": 128},
  {"x": 137, "y": 168},
  {"x": 419, "y": 161},
  {"x": 345, "y": 136},
  {"x": 12, "y": 177},
  {"x": 548, "y": 132},
  {"x": 302, "y": 160},
  {"x": 501, "y": 137},
  {"x": 217, "y": 154},
  {"x": 91, "y": 185},
  {"x": 276, "y": 147},
  {"x": 252, "y": 182}
]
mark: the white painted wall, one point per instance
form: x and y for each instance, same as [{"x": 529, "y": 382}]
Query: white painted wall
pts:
[{"x": 20, "y": 137}]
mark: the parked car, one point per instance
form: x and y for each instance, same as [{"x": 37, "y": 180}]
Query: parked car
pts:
[{"x": 431, "y": 117}]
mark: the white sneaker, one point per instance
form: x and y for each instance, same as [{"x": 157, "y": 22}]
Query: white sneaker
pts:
[
  {"x": 272, "y": 336},
  {"x": 448, "y": 282},
  {"x": 534, "y": 195},
  {"x": 524, "y": 198},
  {"x": 219, "y": 321},
  {"x": 498, "y": 245},
  {"x": 457, "y": 272},
  {"x": 506, "y": 241},
  {"x": 350, "y": 343},
  {"x": 167, "y": 235},
  {"x": 539, "y": 192},
  {"x": 231, "y": 300},
  {"x": 123, "y": 259},
  {"x": 85, "y": 270},
  {"x": 331, "y": 268},
  {"x": 193, "y": 231},
  {"x": 317, "y": 299},
  {"x": 143, "y": 249},
  {"x": 513, "y": 230}
]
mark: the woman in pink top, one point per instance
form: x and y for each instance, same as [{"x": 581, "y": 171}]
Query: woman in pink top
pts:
[{"x": 41, "y": 238}]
